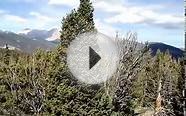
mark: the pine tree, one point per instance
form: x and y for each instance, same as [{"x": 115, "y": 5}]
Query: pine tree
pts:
[
  {"x": 67, "y": 96},
  {"x": 77, "y": 22},
  {"x": 6, "y": 55},
  {"x": 157, "y": 85},
  {"x": 85, "y": 12}
]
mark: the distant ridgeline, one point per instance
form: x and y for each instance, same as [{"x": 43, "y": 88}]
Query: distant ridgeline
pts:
[
  {"x": 154, "y": 47},
  {"x": 175, "y": 52}
]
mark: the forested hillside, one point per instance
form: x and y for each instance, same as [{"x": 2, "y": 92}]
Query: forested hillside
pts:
[{"x": 42, "y": 85}]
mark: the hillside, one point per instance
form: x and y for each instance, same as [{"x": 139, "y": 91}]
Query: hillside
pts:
[
  {"x": 24, "y": 43},
  {"x": 29, "y": 40},
  {"x": 49, "y": 35},
  {"x": 175, "y": 52}
]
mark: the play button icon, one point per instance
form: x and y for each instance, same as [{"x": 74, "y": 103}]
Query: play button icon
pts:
[{"x": 92, "y": 57}]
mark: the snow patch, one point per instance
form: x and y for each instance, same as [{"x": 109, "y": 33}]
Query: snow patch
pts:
[
  {"x": 55, "y": 36},
  {"x": 25, "y": 31}
]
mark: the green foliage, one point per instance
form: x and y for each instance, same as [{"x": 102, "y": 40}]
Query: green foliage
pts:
[
  {"x": 159, "y": 69},
  {"x": 24, "y": 80},
  {"x": 41, "y": 84},
  {"x": 77, "y": 22}
]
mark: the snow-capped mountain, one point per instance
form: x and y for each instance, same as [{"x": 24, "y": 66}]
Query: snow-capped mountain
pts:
[
  {"x": 24, "y": 32},
  {"x": 35, "y": 34},
  {"x": 25, "y": 40},
  {"x": 29, "y": 40},
  {"x": 55, "y": 35}
]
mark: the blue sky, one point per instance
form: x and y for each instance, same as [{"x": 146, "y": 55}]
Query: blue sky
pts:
[{"x": 152, "y": 20}]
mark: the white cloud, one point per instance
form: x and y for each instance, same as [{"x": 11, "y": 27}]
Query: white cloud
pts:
[
  {"x": 2, "y": 11},
  {"x": 71, "y": 3},
  {"x": 108, "y": 7},
  {"x": 38, "y": 20},
  {"x": 40, "y": 17},
  {"x": 14, "y": 18},
  {"x": 105, "y": 28},
  {"x": 136, "y": 14}
]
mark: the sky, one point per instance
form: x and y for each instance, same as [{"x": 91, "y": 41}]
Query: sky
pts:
[{"x": 152, "y": 20}]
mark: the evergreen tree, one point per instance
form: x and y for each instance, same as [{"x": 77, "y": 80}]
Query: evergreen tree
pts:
[
  {"x": 67, "y": 96},
  {"x": 85, "y": 12},
  {"x": 6, "y": 55},
  {"x": 157, "y": 85},
  {"x": 77, "y": 22}
]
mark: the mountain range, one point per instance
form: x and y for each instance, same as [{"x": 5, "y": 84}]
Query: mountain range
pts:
[
  {"x": 49, "y": 35},
  {"x": 29, "y": 40}
]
